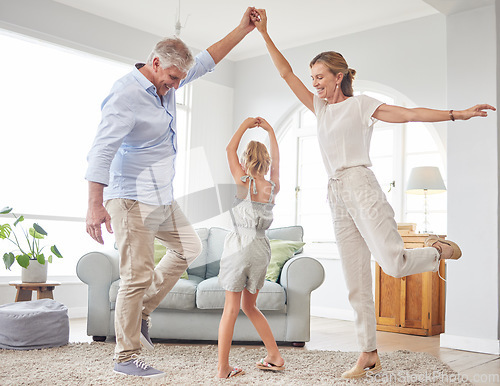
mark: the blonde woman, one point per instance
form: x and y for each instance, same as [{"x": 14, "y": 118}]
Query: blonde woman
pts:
[
  {"x": 363, "y": 219},
  {"x": 247, "y": 251}
]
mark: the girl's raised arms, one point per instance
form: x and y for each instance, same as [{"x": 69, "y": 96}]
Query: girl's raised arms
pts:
[
  {"x": 274, "y": 152},
  {"x": 232, "y": 149}
]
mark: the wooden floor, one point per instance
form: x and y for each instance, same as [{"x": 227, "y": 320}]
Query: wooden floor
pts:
[{"x": 332, "y": 334}]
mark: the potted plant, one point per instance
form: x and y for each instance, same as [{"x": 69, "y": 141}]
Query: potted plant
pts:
[{"x": 29, "y": 255}]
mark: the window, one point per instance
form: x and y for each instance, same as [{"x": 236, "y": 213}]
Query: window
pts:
[
  {"x": 303, "y": 179},
  {"x": 51, "y": 98},
  {"x": 395, "y": 150},
  {"x": 183, "y": 100}
]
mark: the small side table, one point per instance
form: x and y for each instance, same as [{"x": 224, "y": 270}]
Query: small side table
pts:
[{"x": 24, "y": 290}]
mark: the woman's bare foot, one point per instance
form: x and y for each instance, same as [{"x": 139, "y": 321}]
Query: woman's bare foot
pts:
[{"x": 367, "y": 359}]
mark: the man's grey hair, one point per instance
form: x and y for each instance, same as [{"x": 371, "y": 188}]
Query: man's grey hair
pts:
[{"x": 172, "y": 51}]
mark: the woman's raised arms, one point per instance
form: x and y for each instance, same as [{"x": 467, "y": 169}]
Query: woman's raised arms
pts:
[
  {"x": 397, "y": 114},
  {"x": 259, "y": 18}
]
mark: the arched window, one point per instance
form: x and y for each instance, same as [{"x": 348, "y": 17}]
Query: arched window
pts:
[{"x": 395, "y": 150}]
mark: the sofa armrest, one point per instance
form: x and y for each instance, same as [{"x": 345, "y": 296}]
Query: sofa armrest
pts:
[
  {"x": 98, "y": 270},
  {"x": 300, "y": 276},
  {"x": 99, "y": 267},
  {"x": 303, "y": 273}
]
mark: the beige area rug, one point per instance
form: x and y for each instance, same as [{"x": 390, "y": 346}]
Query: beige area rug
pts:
[{"x": 91, "y": 364}]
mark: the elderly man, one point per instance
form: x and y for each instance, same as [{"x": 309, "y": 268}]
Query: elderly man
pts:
[{"x": 130, "y": 173}]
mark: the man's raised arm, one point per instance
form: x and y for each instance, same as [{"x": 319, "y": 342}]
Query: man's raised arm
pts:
[{"x": 220, "y": 49}]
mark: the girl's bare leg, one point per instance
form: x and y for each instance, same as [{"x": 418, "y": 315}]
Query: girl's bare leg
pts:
[
  {"x": 226, "y": 329},
  {"x": 262, "y": 326}
]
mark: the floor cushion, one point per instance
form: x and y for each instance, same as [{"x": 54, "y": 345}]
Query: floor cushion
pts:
[{"x": 33, "y": 325}]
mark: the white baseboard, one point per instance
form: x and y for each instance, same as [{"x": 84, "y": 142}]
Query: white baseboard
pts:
[
  {"x": 332, "y": 313},
  {"x": 77, "y": 312},
  {"x": 486, "y": 346}
]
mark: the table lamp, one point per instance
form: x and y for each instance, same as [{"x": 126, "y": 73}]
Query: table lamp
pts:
[{"x": 425, "y": 180}]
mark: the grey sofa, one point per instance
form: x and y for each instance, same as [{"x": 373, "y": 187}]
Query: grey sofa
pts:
[{"x": 192, "y": 309}]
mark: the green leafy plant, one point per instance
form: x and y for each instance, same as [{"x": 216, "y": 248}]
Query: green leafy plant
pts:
[{"x": 28, "y": 251}]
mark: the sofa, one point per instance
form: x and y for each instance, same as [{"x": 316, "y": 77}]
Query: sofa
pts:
[{"x": 193, "y": 308}]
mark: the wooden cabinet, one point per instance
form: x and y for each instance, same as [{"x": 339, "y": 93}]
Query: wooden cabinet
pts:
[{"x": 413, "y": 304}]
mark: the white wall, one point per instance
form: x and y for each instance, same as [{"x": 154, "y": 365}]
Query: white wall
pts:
[
  {"x": 211, "y": 130},
  {"x": 472, "y": 312},
  {"x": 60, "y": 24}
]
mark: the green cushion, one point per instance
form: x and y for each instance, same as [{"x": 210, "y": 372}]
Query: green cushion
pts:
[
  {"x": 160, "y": 251},
  {"x": 281, "y": 252}
]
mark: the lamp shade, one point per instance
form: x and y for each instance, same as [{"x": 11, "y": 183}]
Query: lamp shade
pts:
[{"x": 425, "y": 179}]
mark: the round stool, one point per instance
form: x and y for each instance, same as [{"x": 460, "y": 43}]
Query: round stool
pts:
[{"x": 33, "y": 324}]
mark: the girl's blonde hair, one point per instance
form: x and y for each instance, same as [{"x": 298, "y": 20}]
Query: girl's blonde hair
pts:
[
  {"x": 336, "y": 63},
  {"x": 256, "y": 159}
]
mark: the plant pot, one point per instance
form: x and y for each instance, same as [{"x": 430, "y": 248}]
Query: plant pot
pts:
[{"x": 35, "y": 273}]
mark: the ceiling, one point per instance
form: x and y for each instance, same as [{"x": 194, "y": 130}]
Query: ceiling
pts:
[{"x": 291, "y": 22}]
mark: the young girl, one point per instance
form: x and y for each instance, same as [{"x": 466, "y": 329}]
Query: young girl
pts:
[{"x": 247, "y": 250}]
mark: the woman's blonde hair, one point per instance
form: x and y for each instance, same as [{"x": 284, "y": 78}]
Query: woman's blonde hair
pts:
[
  {"x": 336, "y": 63},
  {"x": 256, "y": 159}
]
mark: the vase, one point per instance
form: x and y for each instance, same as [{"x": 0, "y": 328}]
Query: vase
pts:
[{"x": 34, "y": 273}]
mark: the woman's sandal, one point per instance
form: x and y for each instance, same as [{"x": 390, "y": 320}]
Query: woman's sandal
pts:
[
  {"x": 263, "y": 365},
  {"x": 433, "y": 239},
  {"x": 359, "y": 372}
]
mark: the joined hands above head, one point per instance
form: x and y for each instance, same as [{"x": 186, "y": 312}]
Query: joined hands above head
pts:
[
  {"x": 264, "y": 124},
  {"x": 259, "y": 19},
  {"x": 250, "y": 123},
  {"x": 247, "y": 21}
]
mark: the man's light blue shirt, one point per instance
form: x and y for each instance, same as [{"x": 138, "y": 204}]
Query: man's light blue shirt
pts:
[{"x": 134, "y": 151}]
